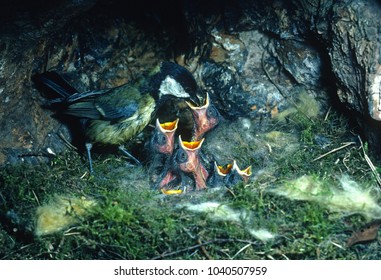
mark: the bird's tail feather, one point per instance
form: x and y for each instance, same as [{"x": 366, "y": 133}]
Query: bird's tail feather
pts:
[{"x": 54, "y": 82}]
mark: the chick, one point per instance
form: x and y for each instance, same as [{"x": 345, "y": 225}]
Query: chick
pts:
[
  {"x": 205, "y": 117},
  {"x": 187, "y": 160},
  {"x": 237, "y": 175},
  {"x": 219, "y": 174},
  {"x": 162, "y": 145},
  {"x": 228, "y": 175}
]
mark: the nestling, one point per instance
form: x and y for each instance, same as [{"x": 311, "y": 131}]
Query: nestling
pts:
[
  {"x": 162, "y": 145},
  {"x": 206, "y": 117},
  {"x": 187, "y": 159}
]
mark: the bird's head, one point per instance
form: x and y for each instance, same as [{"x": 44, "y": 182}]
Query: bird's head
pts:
[
  {"x": 223, "y": 170},
  {"x": 176, "y": 81},
  {"x": 206, "y": 117},
  {"x": 163, "y": 139},
  {"x": 237, "y": 175},
  {"x": 187, "y": 156},
  {"x": 188, "y": 160}
]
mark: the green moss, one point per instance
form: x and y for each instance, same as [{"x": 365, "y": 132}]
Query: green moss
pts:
[{"x": 131, "y": 221}]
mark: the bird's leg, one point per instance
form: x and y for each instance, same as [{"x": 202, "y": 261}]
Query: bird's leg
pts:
[
  {"x": 88, "y": 148},
  {"x": 125, "y": 152}
]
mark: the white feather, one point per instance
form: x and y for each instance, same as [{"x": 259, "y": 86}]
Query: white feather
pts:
[{"x": 172, "y": 87}]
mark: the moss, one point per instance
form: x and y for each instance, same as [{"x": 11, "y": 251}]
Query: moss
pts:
[{"x": 131, "y": 221}]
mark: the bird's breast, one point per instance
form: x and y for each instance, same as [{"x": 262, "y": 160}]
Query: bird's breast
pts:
[{"x": 117, "y": 133}]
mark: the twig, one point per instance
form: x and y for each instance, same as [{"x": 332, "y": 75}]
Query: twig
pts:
[
  {"x": 334, "y": 150},
  {"x": 84, "y": 175},
  {"x": 71, "y": 146},
  {"x": 337, "y": 245},
  {"x": 8, "y": 256},
  {"x": 326, "y": 115},
  {"x": 241, "y": 250},
  {"x": 231, "y": 192},
  {"x": 269, "y": 146},
  {"x": 371, "y": 165},
  {"x": 48, "y": 155},
  {"x": 35, "y": 196},
  {"x": 218, "y": 240},
  {"x": 209, "y": 257}
]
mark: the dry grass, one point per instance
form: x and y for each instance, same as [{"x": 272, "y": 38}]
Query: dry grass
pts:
[{"x": 130, "y": 221}]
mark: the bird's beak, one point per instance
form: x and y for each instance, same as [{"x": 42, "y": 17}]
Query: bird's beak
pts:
[
  {"x": 206, "y": 117},
  {"x": 195, "y": 107},
  {"x": 169, "y": 192},
  {"x": 223, "y": 170},
  {"x": 243, "y": 173},
  {"x": 167, "y": 127},
  {"x": 192, "y": 147},
  {"x": 194, "y": 97}
]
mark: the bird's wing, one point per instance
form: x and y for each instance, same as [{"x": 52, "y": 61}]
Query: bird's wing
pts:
[
  {"x": 111, "y": 113},
  {"x": 119, "y": 103},
  {"x": 83, "y": 96},
  {"x": 112, "y": 104}
]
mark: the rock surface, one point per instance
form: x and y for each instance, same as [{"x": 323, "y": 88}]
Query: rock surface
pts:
[{"x": 253, "y": 58}]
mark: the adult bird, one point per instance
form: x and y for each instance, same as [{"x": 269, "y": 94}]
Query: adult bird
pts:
[{"x": 114, "y": 116}]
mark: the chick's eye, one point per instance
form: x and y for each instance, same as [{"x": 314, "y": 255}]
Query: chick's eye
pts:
[
  {"x": 160, "y": 139},
  {"x": 182, "y": 156},
  {"x": 212, "y": 112}
]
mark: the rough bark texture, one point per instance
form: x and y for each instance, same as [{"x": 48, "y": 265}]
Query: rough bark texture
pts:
[
  {"x": 252, "y": 56},
  {"x": 71, "y": 41}
]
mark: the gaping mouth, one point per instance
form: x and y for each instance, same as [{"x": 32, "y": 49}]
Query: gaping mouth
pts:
[
  {"x": 167, "y": 126},
  {"x": 243, "y": 172},
  {"x": 206, "y": 105},
  {"x": 223, "y": 170},
  {"x": 169, "y": 192},
  {"x": 194, "y": 145}
]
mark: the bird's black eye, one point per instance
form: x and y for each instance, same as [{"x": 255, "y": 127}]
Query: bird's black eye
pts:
[
  {"x": 212, "y": 112},
  {"x": 181, "y": 156},
  {"x": 160, "y": 139}
]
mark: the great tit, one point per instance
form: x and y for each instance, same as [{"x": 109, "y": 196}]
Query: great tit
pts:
[
  {"x": 187, "y": 159},
  {"x": 162, "y": 145},
  {"x": 229, "y": 175},
  {"x": 185, "y": 168},
  {"x": 206, "y": 117},
  {"x": 114, "y": 116},
  {"x": 237, "y": 175}
]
